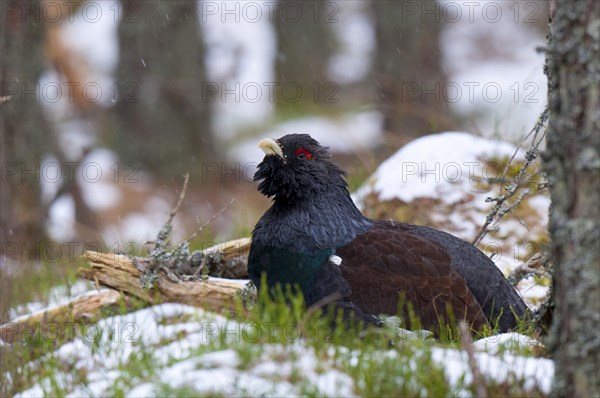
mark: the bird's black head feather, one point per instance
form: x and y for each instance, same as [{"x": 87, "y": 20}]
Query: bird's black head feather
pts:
[{"x": 305, "y": 169}]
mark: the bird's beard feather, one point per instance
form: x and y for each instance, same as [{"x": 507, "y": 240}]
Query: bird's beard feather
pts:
[
  {"x": 287, "y": 185},
  {"x": 325, "y": 221}
]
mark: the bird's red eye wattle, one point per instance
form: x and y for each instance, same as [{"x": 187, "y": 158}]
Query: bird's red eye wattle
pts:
[{"x": 303, "y": 154}]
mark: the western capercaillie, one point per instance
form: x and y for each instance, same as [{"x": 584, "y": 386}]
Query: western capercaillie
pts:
[{"x": 314, "y": 236}]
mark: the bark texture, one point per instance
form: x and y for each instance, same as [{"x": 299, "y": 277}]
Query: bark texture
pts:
[{"x": 572, "y": 162}]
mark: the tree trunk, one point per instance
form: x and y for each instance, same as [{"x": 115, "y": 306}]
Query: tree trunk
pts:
[
  {"x": 572, "y": 161},
  {"x": 162, "y": 120},
  {"x": 304, "y": 45},
  {"x": 23, "y": 129},
  {"x": 408, "y": 67}
]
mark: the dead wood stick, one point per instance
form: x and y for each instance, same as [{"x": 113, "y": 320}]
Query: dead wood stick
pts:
[
  {"x": 206, "y": 224},
  {"x": 51, "y": 322},
  {"x": 186, "y": 179}
]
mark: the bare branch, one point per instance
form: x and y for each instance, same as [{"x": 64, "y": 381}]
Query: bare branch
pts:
[
  {"x": 206, "y": 224},
  {"x": 181, "y": 198},
  {"x": 533, "y": 266},
  {"x": 500, "y": 209}
]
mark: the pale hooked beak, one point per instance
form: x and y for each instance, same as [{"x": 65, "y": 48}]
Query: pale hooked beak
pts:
[{"x": 270, "y": 147}]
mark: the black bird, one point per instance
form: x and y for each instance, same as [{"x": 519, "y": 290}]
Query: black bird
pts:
[{"x": 313, "y": 224}]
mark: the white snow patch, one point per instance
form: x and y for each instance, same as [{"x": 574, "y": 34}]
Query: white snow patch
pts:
[
  {"x": 504, "y": 368},
  {"x": 355, "y": 34},
  {"x": 542, "y": 205},
  {"x": 440, "y": 166},
  {"x": 98, "y": 175},
  {"x": 268, "y": 377},
  {"x": 61, "y": 219},
  {"x": 75, "y": 138},
  {"x": 51, "y": 178},
  {"x": 508, "y": 341},
  {"x": 57, "y": 296}
]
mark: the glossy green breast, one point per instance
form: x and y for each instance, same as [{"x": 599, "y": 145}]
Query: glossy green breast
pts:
[{"x": 285, "y": 267}]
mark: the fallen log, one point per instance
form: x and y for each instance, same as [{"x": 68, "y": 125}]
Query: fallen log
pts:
[
  {"x": 119, "y": 272},
  {"x": 228, "y": 259}
]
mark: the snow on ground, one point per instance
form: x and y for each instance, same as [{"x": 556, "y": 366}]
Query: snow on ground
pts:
[
  {"x": 527, "y": 371},
  {"x": 219, "y": 372},
  {"x": 121, "y": 336},
  {"x": 273, "y": 370},
  {"x": 448, "y": 168},
  {"x": 437, "y": 166},
  {"x": 58, "y": 295}
]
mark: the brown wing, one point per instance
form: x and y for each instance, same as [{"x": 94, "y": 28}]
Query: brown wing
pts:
[{"x": 388, "y": 263}]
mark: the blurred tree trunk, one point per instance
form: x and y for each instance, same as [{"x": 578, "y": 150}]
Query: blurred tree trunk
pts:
[
  {"x": 23, "y": 128},
  {"x": 161, "y": 119},
  {"x": 305, "y": 42},
  {"x": 408, "y": 67},
  {"x": 572, "y": 161}
]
